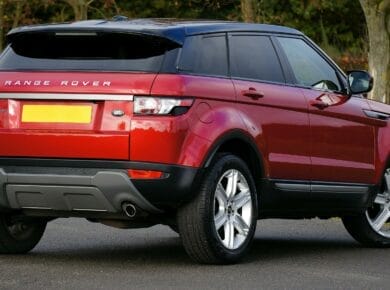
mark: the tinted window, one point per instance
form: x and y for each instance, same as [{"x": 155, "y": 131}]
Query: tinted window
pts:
[
  {"x": 205, "y": 55},
  {"x": 86, "y": 51},
  {"x": 309, "y": 68},
  {"x": 254, "y": 57}
]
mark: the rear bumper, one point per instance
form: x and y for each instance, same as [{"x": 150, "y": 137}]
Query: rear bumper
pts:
[{"x": 87, "y": 186}]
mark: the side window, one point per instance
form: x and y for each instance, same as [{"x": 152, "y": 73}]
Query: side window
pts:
[
  {"x": 205, "y": 55},
  {"x": 254, "y": 57},
  {"x": 309, "y": 68}
]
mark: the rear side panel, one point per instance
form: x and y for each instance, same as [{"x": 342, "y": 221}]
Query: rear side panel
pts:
[{"x": 186, "y": 140}]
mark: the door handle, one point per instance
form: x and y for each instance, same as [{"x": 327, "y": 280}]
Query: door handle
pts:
[
  {"x": 376, "y": 115},
  {"x": 252, "y": 93},
  {"x": 319, "y": 104}
]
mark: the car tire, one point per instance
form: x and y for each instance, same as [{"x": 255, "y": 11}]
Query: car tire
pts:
[
  {"x": 19, "y": 235},
  {"x": 372, "y": 228},
  {"x": 217, "y": 227}
]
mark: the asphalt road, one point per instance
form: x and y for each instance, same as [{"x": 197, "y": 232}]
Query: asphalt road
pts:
[{"x": 313, "y": 254}]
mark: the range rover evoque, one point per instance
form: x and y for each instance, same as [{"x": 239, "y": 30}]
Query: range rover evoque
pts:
[{"x": 204, "y": 126}]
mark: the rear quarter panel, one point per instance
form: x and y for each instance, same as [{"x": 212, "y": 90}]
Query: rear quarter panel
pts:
[{"x": 193, "y": 134}]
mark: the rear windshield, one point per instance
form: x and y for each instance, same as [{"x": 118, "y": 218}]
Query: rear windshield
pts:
[{"x": 86, "y": 51}]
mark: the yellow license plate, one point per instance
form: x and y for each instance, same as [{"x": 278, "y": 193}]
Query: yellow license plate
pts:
[{"x": 56, "y": 114}]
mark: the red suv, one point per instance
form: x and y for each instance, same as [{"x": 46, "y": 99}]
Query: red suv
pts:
[{"x": 202, "y": 126}]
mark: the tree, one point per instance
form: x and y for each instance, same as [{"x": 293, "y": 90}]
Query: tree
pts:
[
  {"x": 377, "y": 13},
  {"x": 1, "y": 24},
  {"x": 19, "y": 4},
  {"x": 248, "y": 10},
  {"x": 80, "y": 8},
  {"x": 327, "y": 22}
]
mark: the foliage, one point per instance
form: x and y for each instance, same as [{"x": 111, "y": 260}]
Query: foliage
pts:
[{"x": 338, "y": 26}]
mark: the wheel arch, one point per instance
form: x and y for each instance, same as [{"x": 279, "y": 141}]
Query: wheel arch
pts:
[
  {"x": 238, "y": 143},
  {"x": 384, "y": 166}
]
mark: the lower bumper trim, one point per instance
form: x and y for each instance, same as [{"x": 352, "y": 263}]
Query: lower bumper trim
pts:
[{"x": 104, "y": 191}]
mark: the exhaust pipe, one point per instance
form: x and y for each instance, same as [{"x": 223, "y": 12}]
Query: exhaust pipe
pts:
[{"x": 129, "y": 209}]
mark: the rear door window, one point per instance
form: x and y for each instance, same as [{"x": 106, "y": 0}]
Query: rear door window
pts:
[
  {"x": 86, "y": 51},
  {"x": 309, "y": 67},
  {"x": 254, "y": 57},
  {"x": 205, "y": 55}
]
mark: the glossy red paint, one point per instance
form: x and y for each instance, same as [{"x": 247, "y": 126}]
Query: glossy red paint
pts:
[
  {"x": 105, "y": 137},
  {"x": 101, "y": 119},
  {"x": 87, "y": 145},
  {"x": 157, "y": 139},
  {"x": 342, "y": 138},
  {"x": 280, "y": 114},
  {"x": 325, "y": 143},
  {"x": 302, "y": 134},
  {"x": 168, "y": 140},
  {"x": 186, "y": 139},
  {"x": 382, "y": 133},
  {"x": 212, "y": 88}
]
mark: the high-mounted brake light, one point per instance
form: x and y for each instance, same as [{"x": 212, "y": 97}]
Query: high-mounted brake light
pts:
[{"x": 161, "y": 106}]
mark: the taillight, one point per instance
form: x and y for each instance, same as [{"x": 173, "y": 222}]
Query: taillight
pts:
[{"x": 161, "y": 106}]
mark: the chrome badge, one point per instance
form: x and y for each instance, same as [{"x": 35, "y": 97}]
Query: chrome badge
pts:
[{"x": 118, "y": 113}]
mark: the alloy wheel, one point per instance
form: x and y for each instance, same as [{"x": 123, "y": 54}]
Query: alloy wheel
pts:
[
  {"x": 379, "y": 215},
  {"x": 232, "y": 209}
]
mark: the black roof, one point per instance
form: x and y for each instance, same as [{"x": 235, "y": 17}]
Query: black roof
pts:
[{"x": 174, "y": 29}]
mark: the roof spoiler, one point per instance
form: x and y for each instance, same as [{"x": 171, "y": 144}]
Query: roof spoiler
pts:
[{"x": 63, "y": 30}]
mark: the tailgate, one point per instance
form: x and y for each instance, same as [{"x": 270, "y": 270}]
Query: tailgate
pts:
[{"x": 68, "y": 115}]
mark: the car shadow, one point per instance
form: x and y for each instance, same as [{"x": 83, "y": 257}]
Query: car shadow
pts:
[
  {"x": 169, "y": 251},
  {"x": 272, "y": 249}
]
